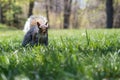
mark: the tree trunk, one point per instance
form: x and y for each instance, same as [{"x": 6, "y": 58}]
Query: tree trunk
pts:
[
  {"x": 47, "y": 11},
  {"x": 51, "y": 5},
  {"x": 3, "y": 9},
  {"x": 31, "y": 5},
  {"x": 109, "y": 13},
  {"x": 75, "y": 14},
  {"x": 117, "y": 16},
  {"x": 0, "y": 13},
  {"x": 9, "y": 22},
  {"x": 15, "y": 20},
  {"x": 67, "y": 12}
]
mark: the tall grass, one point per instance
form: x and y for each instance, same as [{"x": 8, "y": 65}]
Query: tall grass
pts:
[{"x": 70, "y": 55}]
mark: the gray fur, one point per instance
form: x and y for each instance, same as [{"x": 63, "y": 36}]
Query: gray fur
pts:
[{"x": 35, "y": 37}]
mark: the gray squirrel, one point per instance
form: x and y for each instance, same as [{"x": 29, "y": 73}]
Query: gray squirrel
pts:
[{"x": 37, "y": 34}]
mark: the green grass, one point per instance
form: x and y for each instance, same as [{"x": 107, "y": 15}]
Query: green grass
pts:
[{"x": 70, "y": 55}]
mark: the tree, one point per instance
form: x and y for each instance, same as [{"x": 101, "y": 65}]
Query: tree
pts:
[
  {"x": 0, "y": 13},
  {"x": 3, "y": 9},
  {"x": 109, "y": 13},
  {"x": 31, "y": 5},
  {"x": 67, "y": 12},
  {"x": 117, "y": 14},
  {"x": 75, "y": 14},
  {"x": 47, "y": 11}
]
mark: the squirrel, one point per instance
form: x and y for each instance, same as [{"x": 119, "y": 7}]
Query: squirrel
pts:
[{"x": 37, "y": 32}]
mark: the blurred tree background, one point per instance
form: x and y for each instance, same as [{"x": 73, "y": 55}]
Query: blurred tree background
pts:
[{"x": 62, "y": 13}]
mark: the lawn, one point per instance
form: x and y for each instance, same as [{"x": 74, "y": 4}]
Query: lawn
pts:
[{"x": 92, "y": 54}]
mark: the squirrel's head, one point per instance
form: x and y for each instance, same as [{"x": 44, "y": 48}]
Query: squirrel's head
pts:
[{"x": 42, "y": 27}]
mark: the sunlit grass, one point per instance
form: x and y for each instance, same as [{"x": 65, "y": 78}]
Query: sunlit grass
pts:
[{"x": 70, "y": 55}]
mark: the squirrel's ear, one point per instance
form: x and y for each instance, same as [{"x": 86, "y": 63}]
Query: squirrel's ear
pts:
[
  {"x": 46, "y": 23},
  {"x": 38, "y": 24}
]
